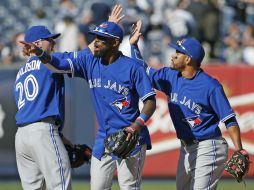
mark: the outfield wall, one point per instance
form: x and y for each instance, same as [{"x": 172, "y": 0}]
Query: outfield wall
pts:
[{"x": 238, "y": 82}]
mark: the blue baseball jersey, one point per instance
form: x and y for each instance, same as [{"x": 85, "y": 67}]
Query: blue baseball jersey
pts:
[
  {"x": 196, "y": 105},
  {"x": 39, "y": 92},
  {"x": 116, "y": 89}
]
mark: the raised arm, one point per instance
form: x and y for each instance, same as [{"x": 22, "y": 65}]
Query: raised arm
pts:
[
  {"x": 134, "y": 38},
  {"x": 51, "y": 62},
  {"x": 115, "y": 15}
]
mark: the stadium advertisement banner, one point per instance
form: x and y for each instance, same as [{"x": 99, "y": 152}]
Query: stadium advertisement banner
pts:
[{"x": 238, "y": 83}]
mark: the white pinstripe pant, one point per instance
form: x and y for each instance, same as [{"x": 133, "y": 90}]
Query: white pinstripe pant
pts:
[
  {"x": 42, "y": 159},
  {"x": 129, "y": 171},
  {"x": 201, "y": 165}
]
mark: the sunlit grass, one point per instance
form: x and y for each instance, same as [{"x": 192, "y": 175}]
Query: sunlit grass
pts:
[{"x": 146, "y": 185}]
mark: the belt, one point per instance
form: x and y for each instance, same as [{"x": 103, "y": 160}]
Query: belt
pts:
[
  {"x": 49, "y": 119},
  {"x": 188, "y": 142}
]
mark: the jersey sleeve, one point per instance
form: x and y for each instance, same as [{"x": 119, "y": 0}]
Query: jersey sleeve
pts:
[
  {"x": 220, "y": 104},
  {"x": 143, "y": 84},
  {"x": 135, "y": 54},
  {"x": 65, "y": 55},
  {"x": 161, "y": 78},
  {"x": 72, "y": 55},
  {"x": 75, "y": 64},
  {"x": 79, "y": 66},
  {"x": 157, "y": 77},
  {"x": 60, "y": 64}
]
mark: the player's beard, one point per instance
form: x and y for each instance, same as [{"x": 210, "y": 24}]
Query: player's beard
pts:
[
  {"x": 177, "y": 66},
  {"x": 100, "y": 52}
]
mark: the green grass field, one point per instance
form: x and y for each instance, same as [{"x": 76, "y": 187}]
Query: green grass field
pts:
[{"x": 147, "y": 185}]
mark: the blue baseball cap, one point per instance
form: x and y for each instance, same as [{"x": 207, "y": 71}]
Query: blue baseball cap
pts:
[
  {"x": 36, "y": 33},
  {"x": 190, "y": 47},
  {"x": 109, "y": 30}
]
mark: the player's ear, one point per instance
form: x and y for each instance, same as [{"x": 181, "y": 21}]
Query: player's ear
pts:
[
  {"x": 116, "y": 43},
  {"x": 188, "y": 60}
]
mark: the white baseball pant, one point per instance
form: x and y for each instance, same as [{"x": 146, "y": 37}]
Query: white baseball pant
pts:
[
  {"x": 42, "y": 159},
  {"x": 200, "y": 166},
  {"x": 129, "y": 171}
]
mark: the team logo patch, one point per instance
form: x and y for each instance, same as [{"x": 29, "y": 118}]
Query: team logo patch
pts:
[
  {"x": 193, "y": 121},
  {"x": 180, "y": 42},
  {"x": 121, "y": 103},
  {"x": 104, "y": 25}
]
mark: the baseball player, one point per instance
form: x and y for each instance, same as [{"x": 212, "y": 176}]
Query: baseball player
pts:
[
  {"x": 39, "y": 94},
  {"x": 116, "y": 83},
  {"x": 197, "y": 104}
]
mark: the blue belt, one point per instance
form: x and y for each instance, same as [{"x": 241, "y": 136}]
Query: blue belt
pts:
[{"x": 188, "y": 142}]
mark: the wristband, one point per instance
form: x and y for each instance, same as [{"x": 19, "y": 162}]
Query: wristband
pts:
[
  {"x": 140, "y": 122},
  {"x": 144, "y": 117}
]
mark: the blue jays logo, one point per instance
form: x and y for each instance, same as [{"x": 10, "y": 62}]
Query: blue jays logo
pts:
[
  {"x": 180, "y": 42},
  {"x": 121, "y": 103},
  {"x": 104, "y": 25},
  {"x": 193, "y": 121}
]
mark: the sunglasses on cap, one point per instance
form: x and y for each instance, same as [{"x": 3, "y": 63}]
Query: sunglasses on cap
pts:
[
  {"x": 104, "y": 31},
  {"x": 179, "y": 43}
]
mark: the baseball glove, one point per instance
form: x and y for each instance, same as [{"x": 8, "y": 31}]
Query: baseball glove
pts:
[
  {"x": 238, "y": 165},
  {"x": 119, "y": 145},
  {"x": 78, "y": 154}
]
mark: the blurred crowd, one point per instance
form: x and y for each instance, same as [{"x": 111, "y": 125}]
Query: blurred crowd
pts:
[{"x": 225, "y": 27}]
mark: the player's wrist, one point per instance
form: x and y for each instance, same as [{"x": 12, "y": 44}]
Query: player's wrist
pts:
[
  {"x": 140, "y": 122},
  {"x": 40, "y": 52},
  {"x": 142, "y": 119},
  {"x": 43, "y": 56}
]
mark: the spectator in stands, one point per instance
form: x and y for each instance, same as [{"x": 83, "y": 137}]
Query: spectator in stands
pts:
[
  {"x": 100, "y": 11},
  {"x": 85, "y": 26},
  {"x": 41, "y": 18},
  {"x": 248, "y": 45},
  {"x": 12, "y": 53},
  {"x": 67, "y": 8},
  {"x": 200, "y": 19},
  {"x": 134, "y": 12},
  {"x": 249, "y": 12},
  {"x": 206, "y": 14},
  {"x": 155, "y": 42},
  {"x": 1, "y": 51},
  {"x": 232, "y": 52},
  {"x": 232, "y": 11},
  {"x": 180, "y": 22},
  {"x": 69, "y": 34}
]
